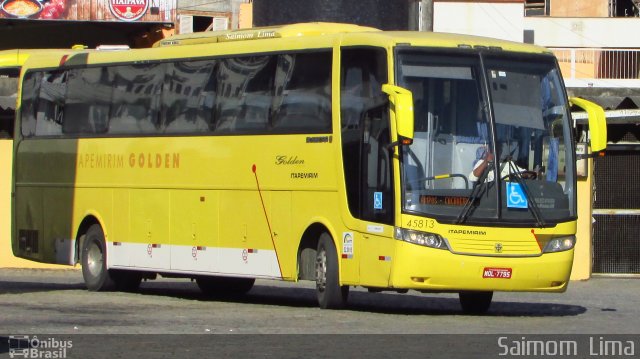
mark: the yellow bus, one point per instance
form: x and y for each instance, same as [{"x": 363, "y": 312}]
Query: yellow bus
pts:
[{"x": 327, "y": 152}]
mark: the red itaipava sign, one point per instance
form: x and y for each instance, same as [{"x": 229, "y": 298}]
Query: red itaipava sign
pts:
[{"x": 128, "y": 10}]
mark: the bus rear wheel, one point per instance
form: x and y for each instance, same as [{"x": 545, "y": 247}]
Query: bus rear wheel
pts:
[
  {"x": 224, "y": 286},
  {"x": 330, "y": 294},
  {"x": 475, "y": 302},
  {"x": 94, "y": 261}
]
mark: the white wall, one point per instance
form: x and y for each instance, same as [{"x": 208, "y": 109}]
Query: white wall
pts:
[
  {"x": 622, "y": 32},
  {"x": 498, "y": 20},
  {"x": 507, "y": 21}
]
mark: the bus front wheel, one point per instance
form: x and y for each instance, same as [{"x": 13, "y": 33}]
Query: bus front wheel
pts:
[
  {"x": 475, "y": 302},
  {"x": 330, "y": 294},
  {"x": 94, "y": 261}
]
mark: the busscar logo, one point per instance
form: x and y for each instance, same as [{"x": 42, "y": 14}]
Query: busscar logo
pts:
[
  {"x": 319, "y": 139},
  {"x": 469, "y": 232}
]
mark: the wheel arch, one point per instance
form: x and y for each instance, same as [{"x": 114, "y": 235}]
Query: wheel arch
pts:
[
  {"x": 308, "y": 247},
  {"x": 87, "y": 222}
]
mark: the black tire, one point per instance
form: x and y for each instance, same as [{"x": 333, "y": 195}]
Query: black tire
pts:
[
  {"x": 94, "y": 261},
  {"x": 224, "y": 286},
  {"x": 475, "y": 302},
  {"x": 330, "y": 294}
]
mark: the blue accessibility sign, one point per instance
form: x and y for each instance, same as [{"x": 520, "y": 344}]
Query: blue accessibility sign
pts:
[
  {"x": 377, "y": 200},
  {"x": 515, "y": 196}
]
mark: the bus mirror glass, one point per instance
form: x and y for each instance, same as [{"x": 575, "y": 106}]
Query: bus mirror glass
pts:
[
  {"x": 597, "y": 123},
  {"x": 402, "y": 106}
]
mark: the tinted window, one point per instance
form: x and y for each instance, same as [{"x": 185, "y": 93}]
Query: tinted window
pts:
[
  {"x": 303, "y": 92},
  {"x": 30, "y": 91},
  {"x": 135, "y": 105},
  {"x": 245, "y": 88},
  {"x": 8, "y": 92},
  {"x": 187, "y": 97},
  {"x": 365, "y": 135},
  {"x": 285, "y": 93},
  {"x": 89, "y": 94},
  {"x": 50, "y": 106}
]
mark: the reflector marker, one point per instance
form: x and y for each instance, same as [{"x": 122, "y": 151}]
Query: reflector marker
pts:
[
  {"x": 117, "y": 243},
  {"x": 384, "y": 258},
  {"x": 347, "y": 256}
]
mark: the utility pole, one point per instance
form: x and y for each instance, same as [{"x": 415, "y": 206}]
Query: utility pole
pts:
[
  {"x": 426, "y": 15},
  {"x": 421, "y": 15}
]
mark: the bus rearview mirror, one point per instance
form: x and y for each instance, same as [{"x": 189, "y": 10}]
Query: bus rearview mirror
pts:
[
  {"x": 402, "y": 105},
  {"x": 597, "y": 123}
]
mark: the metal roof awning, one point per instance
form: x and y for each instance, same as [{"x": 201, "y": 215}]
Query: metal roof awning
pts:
[{"x": 614, "y": 117}]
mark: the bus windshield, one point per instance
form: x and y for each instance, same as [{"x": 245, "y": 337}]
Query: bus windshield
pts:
[{"x": 492, "y": 139}]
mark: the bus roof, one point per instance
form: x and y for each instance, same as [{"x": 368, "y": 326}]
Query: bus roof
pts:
[
  {"x": 356, "y": 33},
  {"x": 269, "y": 32},
  {"x": 304, "y": 36}
]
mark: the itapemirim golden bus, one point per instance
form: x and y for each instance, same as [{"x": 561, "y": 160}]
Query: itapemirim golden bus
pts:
[{"x": 334, "y": 153}]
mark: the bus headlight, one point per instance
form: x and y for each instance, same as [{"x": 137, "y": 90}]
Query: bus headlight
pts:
[
  {"x": 421, "y": 238},
  {"x": 560, "y": 244}
]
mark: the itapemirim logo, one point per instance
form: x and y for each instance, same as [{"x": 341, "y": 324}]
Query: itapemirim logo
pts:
[{"x": 33, "y": 347}]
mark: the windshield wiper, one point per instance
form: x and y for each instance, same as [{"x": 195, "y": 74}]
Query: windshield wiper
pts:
[
  {"x": 476, "y": 192},
  {"x": 533, "y": 206}
]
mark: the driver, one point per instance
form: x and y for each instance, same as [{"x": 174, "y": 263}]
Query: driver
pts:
[{"x": 484, "y": 157}]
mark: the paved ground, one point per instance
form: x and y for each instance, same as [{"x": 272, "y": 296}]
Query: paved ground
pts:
[
  {"x": 54, "y": 302},
  {"x": 50, "y": 301}
]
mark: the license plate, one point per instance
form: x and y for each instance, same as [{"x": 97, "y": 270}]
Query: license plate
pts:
[{"x": 503, "y": 273}]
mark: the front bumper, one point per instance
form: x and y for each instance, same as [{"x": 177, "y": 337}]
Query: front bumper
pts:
[{"x": 427, "y": 269}]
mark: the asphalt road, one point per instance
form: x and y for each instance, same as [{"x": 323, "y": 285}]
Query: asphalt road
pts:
[{"x": 55, "y": 303}]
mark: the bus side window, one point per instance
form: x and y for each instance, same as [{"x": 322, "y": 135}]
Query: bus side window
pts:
[
  {"x": 238, "y": 77},
  {"x": 135, "y": 105},
  {"x": 184, "y": 103},
  {"x": 8, "y": 97},
  {"x": 50, "y": 108},
  {"x": 88, "y": 99},
  {"x": 30, "y": 90},
  {"x": 303, "y": 93}
]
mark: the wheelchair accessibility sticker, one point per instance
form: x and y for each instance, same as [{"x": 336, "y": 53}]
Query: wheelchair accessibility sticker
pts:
[
  {"x": 377, "y": 200},
  {"x": 516, "y": 197}
]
